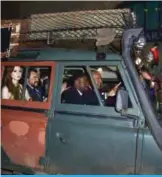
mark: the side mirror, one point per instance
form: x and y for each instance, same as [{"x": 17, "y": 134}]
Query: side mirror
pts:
[{"x": 121, "y": 100}]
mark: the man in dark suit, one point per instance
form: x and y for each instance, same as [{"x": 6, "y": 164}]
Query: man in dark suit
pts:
[
  {"x": 77, "y": 94},
  {"x": 74, "y": 95},
  {"x": 34, "y": 90}
]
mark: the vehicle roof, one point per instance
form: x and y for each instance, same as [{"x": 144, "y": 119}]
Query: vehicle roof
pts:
[{"x": 60, "y": 54}]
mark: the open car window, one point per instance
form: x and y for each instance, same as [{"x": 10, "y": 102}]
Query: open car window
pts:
[
  {"x": 27, "y": 84},
  {"x": 78, "y": 88}
]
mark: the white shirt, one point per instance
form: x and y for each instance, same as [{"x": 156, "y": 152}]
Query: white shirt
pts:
[{"x": 80, "y": 93}]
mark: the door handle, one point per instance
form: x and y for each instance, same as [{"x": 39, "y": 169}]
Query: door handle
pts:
[
  {"x": 135, "y": 123},
  {"x": 61, "y": 138}
]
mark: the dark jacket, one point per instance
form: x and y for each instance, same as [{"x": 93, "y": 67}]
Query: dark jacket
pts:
[
  {"x": 72, "y": 96},
  {"x": 35, "y": 93},
  {"x": 90, "y": 97}
]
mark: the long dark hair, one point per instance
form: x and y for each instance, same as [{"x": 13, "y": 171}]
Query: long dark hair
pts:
[{"x": 15, "y": 91}]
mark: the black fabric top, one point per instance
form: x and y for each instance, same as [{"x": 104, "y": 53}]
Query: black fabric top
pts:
[{"x": 5, "y": 38}]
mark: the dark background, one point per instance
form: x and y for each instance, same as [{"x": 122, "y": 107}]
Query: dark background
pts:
[{"x": 22, "y": 9}]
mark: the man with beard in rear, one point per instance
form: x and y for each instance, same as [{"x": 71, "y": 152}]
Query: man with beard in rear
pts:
[{"x": 35, "y": 92}]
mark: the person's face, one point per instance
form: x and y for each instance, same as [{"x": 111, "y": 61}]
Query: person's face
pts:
[
  {"x": 16, "y": 73},
  {"x": 86, "y": 81},
  {"x": 80, "y": 83},
  {"x": 98, "y": 80},
  {"x": 34, "y": 79}
]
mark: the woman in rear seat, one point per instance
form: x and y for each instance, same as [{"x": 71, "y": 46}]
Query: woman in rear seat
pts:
[{"x": 12, "y": 89}]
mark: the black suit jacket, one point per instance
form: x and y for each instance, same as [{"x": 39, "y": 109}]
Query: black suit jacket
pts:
[{"x": 72, "y": 96}]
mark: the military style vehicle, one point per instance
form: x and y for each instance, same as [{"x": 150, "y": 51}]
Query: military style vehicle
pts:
[{"x": 54, "y": 137}]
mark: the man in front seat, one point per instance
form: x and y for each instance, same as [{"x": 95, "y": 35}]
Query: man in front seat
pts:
[
  {"x": 108, "y": 97},
  {"x": 74, "y": 95},
  {"x": 77, "y": 94}
]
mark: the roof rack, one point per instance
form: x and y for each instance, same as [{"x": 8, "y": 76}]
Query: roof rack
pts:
[
  {"x": 40, "y": 30},
  {"x": 77, "y": 25}
]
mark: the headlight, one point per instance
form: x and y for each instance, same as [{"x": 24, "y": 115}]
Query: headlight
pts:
[{"x": 140, "y": 43}]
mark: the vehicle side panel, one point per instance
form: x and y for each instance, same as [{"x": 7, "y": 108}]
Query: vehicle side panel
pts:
[
  {"x": 87, "y": 145},
  {"x": 23, "y": 136},
  {"x": 152, "y": 155}
]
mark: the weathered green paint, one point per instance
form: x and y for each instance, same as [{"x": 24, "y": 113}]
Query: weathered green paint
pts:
[{"x": 57, "y": 54}]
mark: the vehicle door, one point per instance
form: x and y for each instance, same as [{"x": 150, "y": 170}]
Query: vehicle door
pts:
[
  {"x": 151, "y": 155},
  {"x": 87, "y": 139},
  {"x": 24, "y": 119}
]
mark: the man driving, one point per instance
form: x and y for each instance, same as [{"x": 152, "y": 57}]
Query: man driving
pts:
[{"x": 107, "y": 97}]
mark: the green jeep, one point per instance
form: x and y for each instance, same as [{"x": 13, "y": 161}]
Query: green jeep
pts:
[{"x": 55, "y": 137}]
